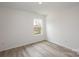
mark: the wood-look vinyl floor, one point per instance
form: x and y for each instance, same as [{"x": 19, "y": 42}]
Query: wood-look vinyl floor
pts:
[{"x": 40, "y": 49}]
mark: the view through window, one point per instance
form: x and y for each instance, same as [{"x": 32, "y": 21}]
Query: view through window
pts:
[{"x": 37, "y": 26}]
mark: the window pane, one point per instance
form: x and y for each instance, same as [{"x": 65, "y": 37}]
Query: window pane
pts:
[{"x": 37, "y": 26}]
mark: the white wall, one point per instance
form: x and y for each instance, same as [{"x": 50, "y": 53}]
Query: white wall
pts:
[
  {"x": 63, "y": 27},
  {"x": 16, "y": 28}
]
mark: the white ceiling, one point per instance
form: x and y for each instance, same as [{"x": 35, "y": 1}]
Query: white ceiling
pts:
[{"x": 45, "y": 8}]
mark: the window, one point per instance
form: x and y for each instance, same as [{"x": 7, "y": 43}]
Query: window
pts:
[{"x": 37, "y": 26}]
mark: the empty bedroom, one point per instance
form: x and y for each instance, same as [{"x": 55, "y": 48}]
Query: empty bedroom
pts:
[{"x": 39, "y": 29}]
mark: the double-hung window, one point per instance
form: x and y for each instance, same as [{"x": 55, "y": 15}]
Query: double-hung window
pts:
[{"x": 37, "y": 26}]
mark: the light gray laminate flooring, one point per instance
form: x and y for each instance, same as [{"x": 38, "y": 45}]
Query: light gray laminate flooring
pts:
[{"x": 39, "y": 49}]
